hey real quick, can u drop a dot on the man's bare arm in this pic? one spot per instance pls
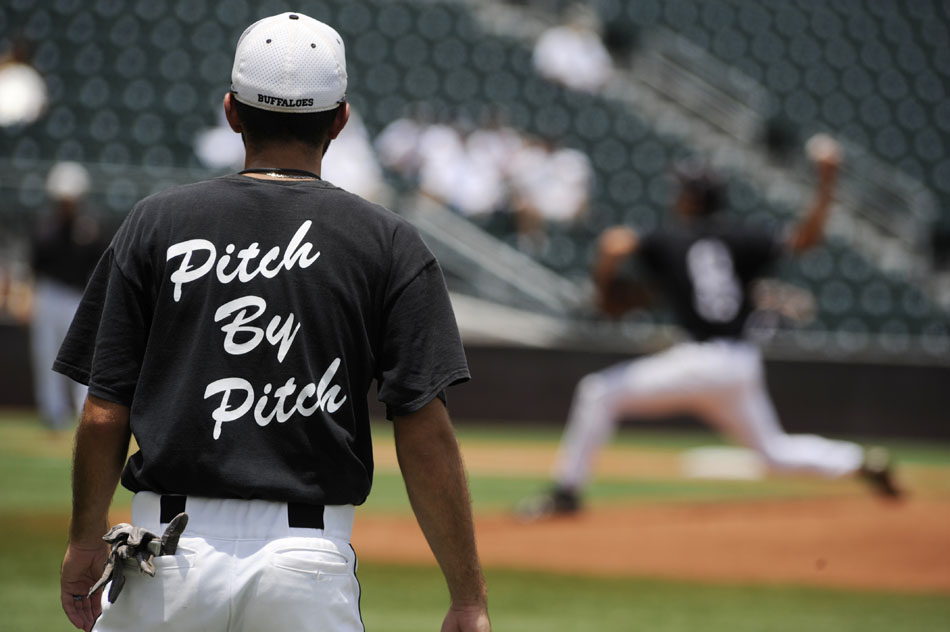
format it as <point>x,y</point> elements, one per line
<point>431,465</point>
<point>615,295</point>
<point>102,444</point>
<point>826,154</point>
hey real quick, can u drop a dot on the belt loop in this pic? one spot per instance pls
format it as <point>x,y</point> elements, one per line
<point>304,516</point>
<point>171,506</point>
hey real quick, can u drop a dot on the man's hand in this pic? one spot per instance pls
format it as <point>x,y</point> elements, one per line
<point>102,443</point>
<point>82,566</point>
<point>467,619</point>
<point>789,301</point>
<point>826,153</point>
<point>617,293</point>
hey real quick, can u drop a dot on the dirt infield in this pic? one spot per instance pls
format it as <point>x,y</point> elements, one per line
<point>860,543</point>
<point>846,540</point>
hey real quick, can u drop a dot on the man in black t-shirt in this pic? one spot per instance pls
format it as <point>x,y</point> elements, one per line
<point>704,269</point>
<point>233,328</point>
<point>64,249</point>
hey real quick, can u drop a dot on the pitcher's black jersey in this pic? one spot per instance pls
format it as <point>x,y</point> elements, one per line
<point>704,271</point>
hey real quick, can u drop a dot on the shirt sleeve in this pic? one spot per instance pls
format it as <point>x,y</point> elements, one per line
<point>421,351</point>
<point>647,257</point>
<point>759,247</point>
<point>106,341</point>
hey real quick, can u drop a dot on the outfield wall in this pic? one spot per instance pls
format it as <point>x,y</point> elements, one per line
<point>886,400</point>
<point>528,385</point>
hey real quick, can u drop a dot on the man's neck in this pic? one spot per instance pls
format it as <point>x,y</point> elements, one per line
<point>284,158</point>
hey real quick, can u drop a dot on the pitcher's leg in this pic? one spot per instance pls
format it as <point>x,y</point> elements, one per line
<point>661,384</point>
<point>590,424</point>
<point>681,379</point>
<point>757,427</point>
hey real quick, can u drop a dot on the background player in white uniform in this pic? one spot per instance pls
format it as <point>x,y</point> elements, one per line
<point>64,251</point>
<point>704,268</point>
<point>234,327</point>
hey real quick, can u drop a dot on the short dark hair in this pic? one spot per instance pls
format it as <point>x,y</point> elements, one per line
<point>264,127</point>
<point>708,193</point>
<point>703,185</point>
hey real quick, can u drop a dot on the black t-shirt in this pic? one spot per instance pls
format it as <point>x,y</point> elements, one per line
<point>705,271</point>
<point>66,249</point>
<point>243,321</point>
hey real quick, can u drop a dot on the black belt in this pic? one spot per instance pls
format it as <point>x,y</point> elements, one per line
<point>299,515</point>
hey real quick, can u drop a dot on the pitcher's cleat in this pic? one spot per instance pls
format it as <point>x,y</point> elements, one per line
<point>877,471</point>
<point>557,502</point>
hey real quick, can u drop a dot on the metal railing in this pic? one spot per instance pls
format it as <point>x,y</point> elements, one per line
<point>487,265</point>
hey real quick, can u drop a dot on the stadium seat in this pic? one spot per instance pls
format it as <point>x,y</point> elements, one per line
<point>134,86</point>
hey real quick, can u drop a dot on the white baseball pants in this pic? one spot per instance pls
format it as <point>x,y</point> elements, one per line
<point>58,398</point>
<point>719,381</point>
<point>240,567</point>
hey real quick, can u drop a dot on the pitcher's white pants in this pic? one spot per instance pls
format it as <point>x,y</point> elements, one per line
<point>241,568</point>
<point>719,381</point>
<point>58,398</point>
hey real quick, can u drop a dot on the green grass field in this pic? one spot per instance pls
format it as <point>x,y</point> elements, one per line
<point>34,504</point>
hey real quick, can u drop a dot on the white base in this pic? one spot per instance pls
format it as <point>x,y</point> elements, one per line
<point>722,462</point>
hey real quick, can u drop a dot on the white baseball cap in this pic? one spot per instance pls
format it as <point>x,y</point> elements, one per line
<point>289,63</point>
<point>67,181</point>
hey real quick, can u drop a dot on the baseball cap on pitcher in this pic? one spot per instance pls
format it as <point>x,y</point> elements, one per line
<point>289,63</point>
